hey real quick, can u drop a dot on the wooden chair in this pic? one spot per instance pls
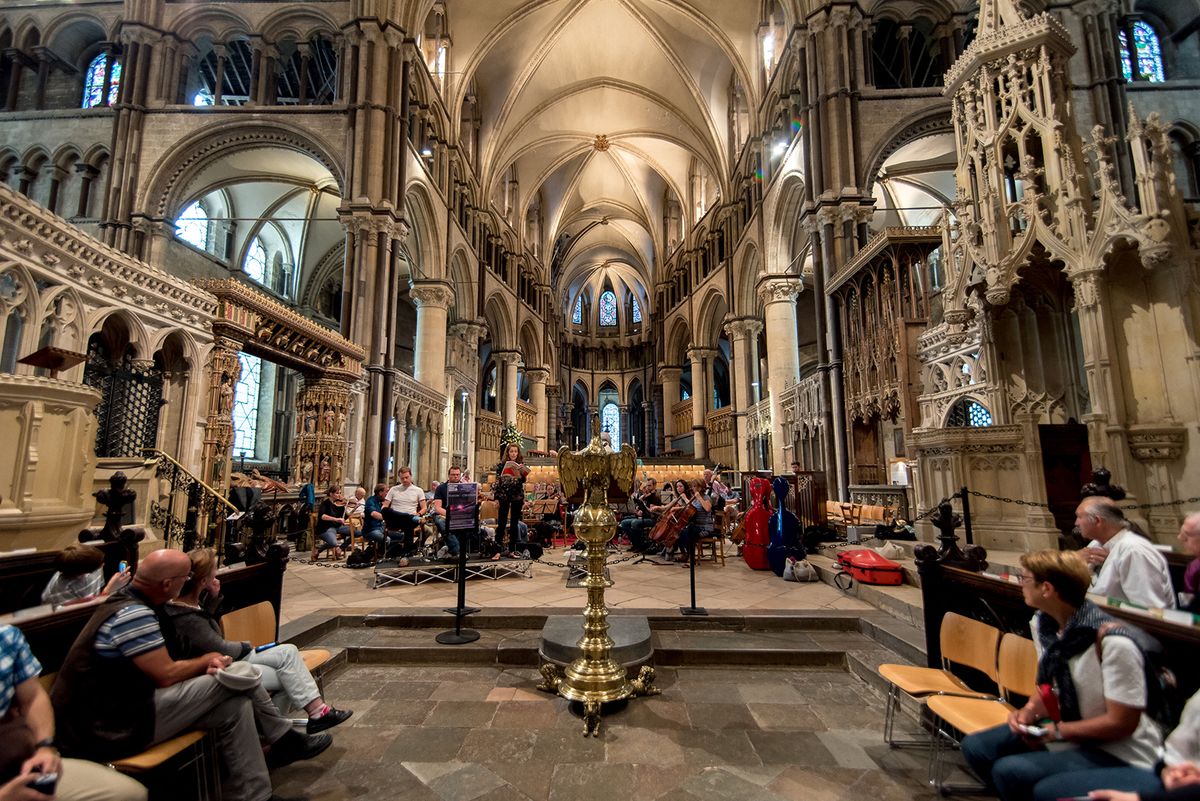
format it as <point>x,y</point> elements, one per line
<point>256,625</point>
<point>711,548</point>
<point>1016,677</point>
<point>965,642</point>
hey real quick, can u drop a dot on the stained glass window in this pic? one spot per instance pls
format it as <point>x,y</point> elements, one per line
<point>256,261</point>
<point>610,421</point>
<point>636,315</point>
<point>577,315</point>
<point>193,226</point>
<point>1149,54</point>
<point>93,82</point>
<point>970,413</point>
<point>245,405</point>
<point>608,308</point>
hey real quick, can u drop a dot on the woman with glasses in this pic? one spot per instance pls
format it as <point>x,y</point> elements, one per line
<point>1090,715</point>
<point>197,632</point>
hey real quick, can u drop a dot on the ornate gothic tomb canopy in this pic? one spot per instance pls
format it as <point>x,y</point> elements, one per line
<point>268,329</point>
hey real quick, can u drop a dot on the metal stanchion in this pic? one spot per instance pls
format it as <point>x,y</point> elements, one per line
<point>692,610</point>
<point>461,636</point>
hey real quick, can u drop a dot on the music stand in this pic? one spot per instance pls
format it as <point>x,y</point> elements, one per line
<point>53,359</point>
<point>462,515</point>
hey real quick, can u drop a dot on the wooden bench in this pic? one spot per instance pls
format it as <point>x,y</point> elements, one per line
<point>50,635</point>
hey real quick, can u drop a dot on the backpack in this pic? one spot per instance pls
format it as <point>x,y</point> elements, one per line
<point>1163,702</point>
<point>358,559</point>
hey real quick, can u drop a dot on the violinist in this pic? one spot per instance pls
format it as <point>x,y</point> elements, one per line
<point>696,495</point>
<point>649,504</point>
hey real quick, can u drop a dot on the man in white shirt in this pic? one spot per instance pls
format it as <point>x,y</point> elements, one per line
<point>401,507</point>
<point>1129,567</point>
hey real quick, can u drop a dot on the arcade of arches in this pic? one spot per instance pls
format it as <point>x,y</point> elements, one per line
<point>879,239</point>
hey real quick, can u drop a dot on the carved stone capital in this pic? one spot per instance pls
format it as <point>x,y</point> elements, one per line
<point>670,374</point>
<point>469,332</point>
<point>435,294</point>
<point>537,375</point>
<point>779,289</point>
<point>697,353</point>
<point>1157,442</point>
<point>743,327</point>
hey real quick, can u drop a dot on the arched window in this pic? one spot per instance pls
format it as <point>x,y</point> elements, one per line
<point>610,421</point>
<point>93,82</point>
<point>1148,54</point>
<point>608,308</point>
<point>256,262</point>
<point>245,405</point>
<point>577,315</point>
<point>636,314</point>
<point>193,226</point>
<point>969,413</point>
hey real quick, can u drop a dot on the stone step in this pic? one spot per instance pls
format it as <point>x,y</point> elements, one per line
<point>902,602</point>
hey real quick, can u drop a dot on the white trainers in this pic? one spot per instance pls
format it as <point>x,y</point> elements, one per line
<point>442,552</point>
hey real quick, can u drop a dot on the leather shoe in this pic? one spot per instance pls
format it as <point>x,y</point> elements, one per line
<point>327,721</point>
<point>294,746</point>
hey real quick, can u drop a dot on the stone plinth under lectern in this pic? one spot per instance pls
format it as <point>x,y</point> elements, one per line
<point>630,635</point>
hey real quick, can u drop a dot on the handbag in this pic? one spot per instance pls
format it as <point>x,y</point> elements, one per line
<point>799,570</point>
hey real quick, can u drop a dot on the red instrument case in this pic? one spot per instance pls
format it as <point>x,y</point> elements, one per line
<point>868,567</point>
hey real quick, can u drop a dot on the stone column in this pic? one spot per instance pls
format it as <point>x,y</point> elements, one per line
<point>778,296</point>
<point>224,370</point>
<point>669,376</point>
<point>623,416</point>
<point>509,360</point>
<point>648,428</point>
<point>553,394</point>
<point>322,412</point>
<point>433,300</point>
<point>701,397</point>
<point>537,396</point>
<point>743,335</point>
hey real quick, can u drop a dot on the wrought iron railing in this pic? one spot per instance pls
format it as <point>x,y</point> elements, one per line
<point>194,513</point>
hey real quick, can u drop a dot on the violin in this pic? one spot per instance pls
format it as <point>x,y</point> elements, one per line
<point>672,522</point>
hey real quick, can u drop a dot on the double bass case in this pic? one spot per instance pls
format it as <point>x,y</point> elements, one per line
<point>867,567</point>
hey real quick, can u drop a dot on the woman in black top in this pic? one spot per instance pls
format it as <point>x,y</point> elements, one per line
<point>331,523</point>
<point>510,494</point>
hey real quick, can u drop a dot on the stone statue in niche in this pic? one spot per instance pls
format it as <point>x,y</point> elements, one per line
<point>306,469</point>
<point>341,424</point>
<point>329,421</point>
<point>323,476</point>
<point>310,422</point>
<point>225,404</point>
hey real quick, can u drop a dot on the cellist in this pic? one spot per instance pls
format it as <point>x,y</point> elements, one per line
<point>701,524</point>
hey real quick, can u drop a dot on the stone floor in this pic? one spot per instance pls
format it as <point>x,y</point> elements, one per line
<point>330,586</point>
<point>485,734</point>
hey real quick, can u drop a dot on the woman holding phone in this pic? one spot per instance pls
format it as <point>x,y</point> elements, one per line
<point>1092,669</point>
<point>196,632</point>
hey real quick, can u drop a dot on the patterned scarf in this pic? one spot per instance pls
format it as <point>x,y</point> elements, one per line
<point>1080,633</point>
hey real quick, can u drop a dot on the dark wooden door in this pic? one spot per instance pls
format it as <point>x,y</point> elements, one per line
<point>1067,464</point>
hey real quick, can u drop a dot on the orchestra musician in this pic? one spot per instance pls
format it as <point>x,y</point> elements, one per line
<point>696,495</point>
<point>649,504</point>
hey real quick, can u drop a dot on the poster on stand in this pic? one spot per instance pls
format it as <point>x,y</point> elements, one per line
<point>462,500</point>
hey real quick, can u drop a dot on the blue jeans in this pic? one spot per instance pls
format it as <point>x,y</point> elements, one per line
<point>451,539</point>
<point>329,536</point>
<point>1018,772</point>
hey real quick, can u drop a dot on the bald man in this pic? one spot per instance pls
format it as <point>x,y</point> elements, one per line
<point>1189,538</point>
<point>1130,568</point>
<point>119,691</point>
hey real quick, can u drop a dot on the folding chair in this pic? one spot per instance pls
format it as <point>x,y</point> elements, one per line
<point>1016,676</point>
<point>965,642</point>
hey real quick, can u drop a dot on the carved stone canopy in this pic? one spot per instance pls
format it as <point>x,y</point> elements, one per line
<point>268,329</point>
<point>1157,443</point>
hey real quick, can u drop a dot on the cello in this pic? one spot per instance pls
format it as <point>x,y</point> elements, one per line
<point>673,520</point>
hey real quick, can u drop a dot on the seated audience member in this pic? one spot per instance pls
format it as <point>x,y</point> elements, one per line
<point>331,523</point>
<point>31,752</point>
<point>637,526</point>
<point>401,509</point>
<point>1175,778</point>
<point>1189,538</point>
<point>441,503</point>
<point>372,530</point>
<point>1129,567</point>
<point>119,691</point>
<point>1100,701</point>
<point>197,632</point>
<point>80,577</point>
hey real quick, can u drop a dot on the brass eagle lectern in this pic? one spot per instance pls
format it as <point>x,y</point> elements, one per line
<point>595,678</point>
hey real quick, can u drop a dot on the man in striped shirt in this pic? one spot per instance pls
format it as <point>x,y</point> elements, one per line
<point>119,691</point>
